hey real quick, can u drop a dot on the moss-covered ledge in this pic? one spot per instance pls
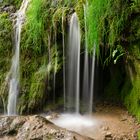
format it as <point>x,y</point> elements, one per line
<point>6,46</point>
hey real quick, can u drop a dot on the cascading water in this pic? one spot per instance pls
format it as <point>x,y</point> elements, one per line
<point>14,71</point>
<point>92,81</point>
<point>64,68</point>
<point>55,68</point>
<point>88,76</point>
<point>85,92</point>
<point>73,65</point>
<point>49,57</point>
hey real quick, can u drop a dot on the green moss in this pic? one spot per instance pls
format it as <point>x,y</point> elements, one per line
<point>33,27</point>
<point>39,58</point>
<point>37,88</point>
<point>105,22</point>
<point>33,58</point>
<point>131,94</point>
<point>79,8</point>
<point>139,135</point>
<point>134,37</point>
<point>5,33</point>
<point>5,53</point>
<point>129,91</point>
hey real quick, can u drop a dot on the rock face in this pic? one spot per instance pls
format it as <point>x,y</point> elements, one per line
<point>8,9</point>
<point>33,128</point>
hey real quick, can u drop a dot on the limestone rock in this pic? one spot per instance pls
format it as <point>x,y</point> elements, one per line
<point>34,127</point>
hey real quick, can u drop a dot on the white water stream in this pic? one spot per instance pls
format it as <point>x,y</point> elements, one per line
<point>73,66</point>
<point>14,71</point>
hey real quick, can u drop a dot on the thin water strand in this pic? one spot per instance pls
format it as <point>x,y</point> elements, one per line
<point>14,71</point>
<point>49,58</point>
<point>55,68</point>
<point>86,93</point>
<point>92,80</point>
<point>73,65</point>
<point>64,69</point>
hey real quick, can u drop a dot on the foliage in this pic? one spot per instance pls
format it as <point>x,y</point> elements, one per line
<point>5,53</point>
<point>130,91</point>
<point>40,52</point>
<point>5,33</point>
<point>117,54</point>
<point>105,22</point>
<point>34,26</point>
<point>108,28</point>
<point>139,135</point>
<point>37,88</point>
<point>125,86</point>
<point>95,10</point>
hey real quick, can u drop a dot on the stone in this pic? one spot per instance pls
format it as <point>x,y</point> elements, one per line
<point>108,136</point>
<point>105,128</point>
<point>34,127</point>
<point>52,116</point>
<point>9,9</point>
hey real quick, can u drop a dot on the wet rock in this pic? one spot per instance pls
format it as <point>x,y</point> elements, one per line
<point>8,9</point>
<point>108,136</point>
<point>105,128</point>
<point>5,125</point>
<point>52,116</point>
<point>34,127</point>
<point>123,118</point>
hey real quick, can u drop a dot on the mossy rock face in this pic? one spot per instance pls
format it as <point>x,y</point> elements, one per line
<point>139,135</point>
<point>41,50</point>
<point>6,45</point>
<point>134,37</point>
<point>15,3</point>
<point>6,32</point>
<point>39,56</point>
<point>39,59</point>
<point>131,89</point>
<point>124,85</point>
<point>41,47</point>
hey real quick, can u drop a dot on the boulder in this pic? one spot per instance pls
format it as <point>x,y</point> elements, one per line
<point>32,128</point>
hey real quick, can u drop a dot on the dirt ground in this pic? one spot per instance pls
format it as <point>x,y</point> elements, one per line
<point>115,123</point>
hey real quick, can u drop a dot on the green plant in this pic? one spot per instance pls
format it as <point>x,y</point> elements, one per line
<point>139,135</point>
<point>105,22</point>
<point>6,45</point>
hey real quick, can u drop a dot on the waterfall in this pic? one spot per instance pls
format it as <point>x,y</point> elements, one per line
<point>92,80</point>
<point>64,68</point>
<point>88,75</point>
<point>55,67</point>
<point>14,71</point>
<point>49,57</point>
<point>85,92</point>
<point>73,65</point>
